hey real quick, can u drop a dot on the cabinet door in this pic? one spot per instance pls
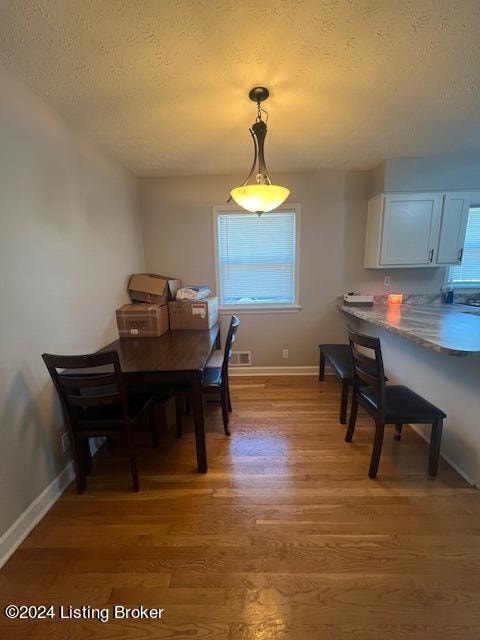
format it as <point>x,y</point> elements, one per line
<point>453,227</point>
<point>410,229</point>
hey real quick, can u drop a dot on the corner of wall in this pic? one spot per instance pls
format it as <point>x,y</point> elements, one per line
<point>377,179</point>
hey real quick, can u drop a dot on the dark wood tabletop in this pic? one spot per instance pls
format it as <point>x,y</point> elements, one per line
<point>175,351</point>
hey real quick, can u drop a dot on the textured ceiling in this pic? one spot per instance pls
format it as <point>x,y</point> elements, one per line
<point>162,85</point>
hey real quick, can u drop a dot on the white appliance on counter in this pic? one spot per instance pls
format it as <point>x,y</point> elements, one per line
<point>357,299</point>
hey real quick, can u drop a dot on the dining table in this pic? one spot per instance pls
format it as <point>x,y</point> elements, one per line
<point>175,358</point>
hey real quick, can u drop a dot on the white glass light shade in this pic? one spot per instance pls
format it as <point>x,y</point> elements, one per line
<point>260,198</point>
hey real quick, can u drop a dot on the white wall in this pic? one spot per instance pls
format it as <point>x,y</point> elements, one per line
<point>432,173</point>
<point>70,235</point>
<point>178,238</point>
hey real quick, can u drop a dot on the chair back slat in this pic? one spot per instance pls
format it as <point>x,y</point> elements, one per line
<point>227,354</point>
<point>367,370</point>
<point>94,401</point>
<point>87,361</point>
<point>87,381</point>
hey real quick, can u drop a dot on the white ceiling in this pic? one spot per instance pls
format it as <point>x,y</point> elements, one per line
<point>162,84</point>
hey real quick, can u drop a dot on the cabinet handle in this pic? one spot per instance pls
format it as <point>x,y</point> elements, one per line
<point>460,255</point>
<point>430,255</point>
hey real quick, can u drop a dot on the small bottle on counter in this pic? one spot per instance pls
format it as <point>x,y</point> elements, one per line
<point>447,296</point>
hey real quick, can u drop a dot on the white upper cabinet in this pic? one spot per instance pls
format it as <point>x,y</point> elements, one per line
<point>402,230</point>
<point>453,227</point>
<point>416,229</point>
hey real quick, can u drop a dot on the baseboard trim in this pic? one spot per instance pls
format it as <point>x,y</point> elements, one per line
<point>273,371</point>
<point>16,534</point>
<point>447,458</point>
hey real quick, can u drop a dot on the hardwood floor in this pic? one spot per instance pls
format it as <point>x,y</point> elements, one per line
<point>285,537</point>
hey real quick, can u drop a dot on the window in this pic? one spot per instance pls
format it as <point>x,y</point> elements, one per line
<point>467,274</point>
<point>257,258</point>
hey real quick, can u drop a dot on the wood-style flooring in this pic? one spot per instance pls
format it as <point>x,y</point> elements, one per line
<point>285,537</point>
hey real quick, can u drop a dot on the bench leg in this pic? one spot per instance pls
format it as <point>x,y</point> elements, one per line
<point>344,402</point>
<point>435,442</point>
<point>398,432</point>
<point>321,368</point>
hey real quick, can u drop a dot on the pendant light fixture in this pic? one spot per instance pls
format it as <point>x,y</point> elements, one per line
<point>260,196</point>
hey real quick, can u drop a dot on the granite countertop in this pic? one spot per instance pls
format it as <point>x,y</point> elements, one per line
<point>450,328</point>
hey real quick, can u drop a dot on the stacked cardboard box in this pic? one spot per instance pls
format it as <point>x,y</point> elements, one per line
<point>148,287</point>
<point>142,320</point>
<point>197,315</point>
<point>154,309</point>
<point>147,317</point>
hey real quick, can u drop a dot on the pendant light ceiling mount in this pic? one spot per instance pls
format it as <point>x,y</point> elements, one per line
<point>262,196</point>
<point>258,94</point>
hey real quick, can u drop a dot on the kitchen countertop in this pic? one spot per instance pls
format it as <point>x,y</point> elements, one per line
<point>453,329</point>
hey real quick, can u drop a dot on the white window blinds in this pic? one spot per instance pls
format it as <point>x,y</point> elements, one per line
<point>468,272</point>
<point>256,258</point>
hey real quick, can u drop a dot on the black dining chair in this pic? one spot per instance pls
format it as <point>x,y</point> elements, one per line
<point>215,380</point>
<point>95,403</point>
<point>387,404</point>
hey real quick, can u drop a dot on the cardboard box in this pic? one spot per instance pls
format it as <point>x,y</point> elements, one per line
<point>196,315</point>
<point>148,287</point>
<point>142,320</point>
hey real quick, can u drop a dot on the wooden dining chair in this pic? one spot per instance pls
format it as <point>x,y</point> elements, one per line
<point>215,381</point>
<point>95,403</point>
<point>387,404</point>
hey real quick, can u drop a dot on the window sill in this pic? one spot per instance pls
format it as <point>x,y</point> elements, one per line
<point>260,308</point>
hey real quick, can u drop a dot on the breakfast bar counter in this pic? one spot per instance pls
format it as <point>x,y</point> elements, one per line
<point>453,329</point>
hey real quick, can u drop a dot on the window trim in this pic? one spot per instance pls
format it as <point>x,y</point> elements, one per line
<point>258,308</point>
<point>466,287</point>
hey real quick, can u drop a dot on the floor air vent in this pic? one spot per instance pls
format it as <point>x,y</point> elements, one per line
<point>241,359</point>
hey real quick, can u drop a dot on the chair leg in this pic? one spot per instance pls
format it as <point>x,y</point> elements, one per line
<point>435,442</point>
<point>353,418</point>
<point>86,455</point>
<point>80,475</point>
<point>377,449</point>
<point>133,460</point>
<point>398,432</point>
<point>321,368</point>
<point>153,425</point>
<point>179,407</point>
<point>229,398</point>
<point>224,403</point>
<point>162,417</point>
<point>344,402</point>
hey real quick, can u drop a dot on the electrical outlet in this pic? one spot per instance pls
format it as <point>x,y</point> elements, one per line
<point>386,281</point>
<point>284,354</point>
<point>65,442</point>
